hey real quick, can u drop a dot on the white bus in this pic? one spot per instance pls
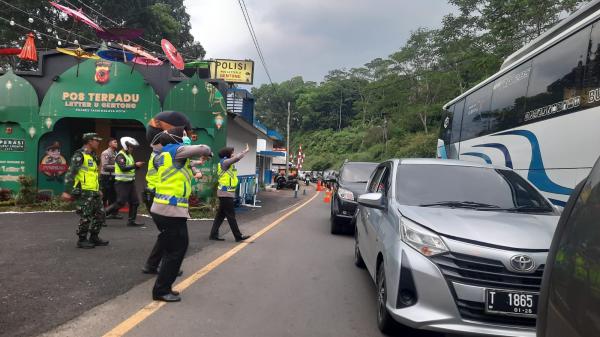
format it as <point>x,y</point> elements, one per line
<point>540,114</point>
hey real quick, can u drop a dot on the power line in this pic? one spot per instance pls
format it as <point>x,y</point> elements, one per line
<point>254,39</point>
<point>120,24</point>
<point>31,29</point>
<point>109,19</point>
<point>93,10</point>
<point>47,22</point>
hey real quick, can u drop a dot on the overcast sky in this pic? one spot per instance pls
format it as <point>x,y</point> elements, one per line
<point>310,37</point>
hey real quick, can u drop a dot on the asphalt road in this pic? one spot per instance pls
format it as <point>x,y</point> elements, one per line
<point>47,281</point>
<point>295,280</point>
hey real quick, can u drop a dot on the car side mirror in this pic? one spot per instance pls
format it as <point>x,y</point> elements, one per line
<point>372,200</point>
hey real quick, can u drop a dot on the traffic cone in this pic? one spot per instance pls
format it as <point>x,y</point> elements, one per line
<point>327,198</point>
<point>319,187</point>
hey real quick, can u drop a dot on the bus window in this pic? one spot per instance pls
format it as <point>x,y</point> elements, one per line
<point>446,129</point>
<point>556,78</point>
<point>508,98</point>
<point>457,117</point>
<point>591,81</point>
<point>476,115</point>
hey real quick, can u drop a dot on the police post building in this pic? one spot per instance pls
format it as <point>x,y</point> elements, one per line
<point>44,113</point>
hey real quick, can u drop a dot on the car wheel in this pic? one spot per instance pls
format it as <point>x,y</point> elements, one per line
<point>358,260</point>
<point>385,322</point>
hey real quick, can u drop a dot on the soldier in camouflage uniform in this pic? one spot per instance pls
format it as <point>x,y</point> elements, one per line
<point>82,182</point>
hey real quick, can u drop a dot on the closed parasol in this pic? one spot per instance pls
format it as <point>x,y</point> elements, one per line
<point>29,53</point>
<point>79,54</point>
<point>172,54</point>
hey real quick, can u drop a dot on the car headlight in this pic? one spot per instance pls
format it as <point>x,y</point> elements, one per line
<point>345,194</point>
<point>424,241</point>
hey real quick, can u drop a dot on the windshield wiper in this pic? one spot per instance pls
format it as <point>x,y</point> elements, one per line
<point>528,208</point>
<point>360,182</point>
<point>461,204</point>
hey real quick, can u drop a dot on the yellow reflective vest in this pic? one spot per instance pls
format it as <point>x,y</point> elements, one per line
<point>152,173</point>
<point>87,175</point>
<point>228,180</point>
<point>174,185</point>
<point>121,175</point>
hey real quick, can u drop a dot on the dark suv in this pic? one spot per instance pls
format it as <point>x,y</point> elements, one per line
<point>570,299</point>
<point>352,181</point>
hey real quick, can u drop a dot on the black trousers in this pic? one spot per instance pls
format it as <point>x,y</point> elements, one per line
<point>174,240</point>
<point>107,184</point>
<point>157,252</point>
<point>226,210</point>
<point>126,193</point>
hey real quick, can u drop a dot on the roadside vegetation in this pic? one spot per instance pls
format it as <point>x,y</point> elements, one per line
<point>391,106</point>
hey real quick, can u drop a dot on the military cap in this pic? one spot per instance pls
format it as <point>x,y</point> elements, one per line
<point>91,136</point>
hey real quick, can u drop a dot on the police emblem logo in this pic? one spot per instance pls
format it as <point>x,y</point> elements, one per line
<point>90,162</point>
<point>102,75</point>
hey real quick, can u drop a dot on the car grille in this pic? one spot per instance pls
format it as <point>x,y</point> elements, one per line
<point>482,272</point>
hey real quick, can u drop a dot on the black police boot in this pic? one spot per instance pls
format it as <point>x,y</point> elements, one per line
<point>84,243</point>
<point>132,215</point>
<point>97,241</point>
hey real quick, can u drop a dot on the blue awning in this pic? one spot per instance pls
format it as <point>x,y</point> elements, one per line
<point>271,153</point>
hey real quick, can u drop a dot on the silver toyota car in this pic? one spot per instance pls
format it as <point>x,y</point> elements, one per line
<point>454,246</point>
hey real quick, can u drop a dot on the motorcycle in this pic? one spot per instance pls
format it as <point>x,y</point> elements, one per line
<point>282,182</point>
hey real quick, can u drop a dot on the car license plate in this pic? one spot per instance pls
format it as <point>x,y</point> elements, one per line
<point>513,303</point>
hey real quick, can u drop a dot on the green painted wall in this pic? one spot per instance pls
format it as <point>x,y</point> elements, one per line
<point>203,104</point>
<point>98,90</point>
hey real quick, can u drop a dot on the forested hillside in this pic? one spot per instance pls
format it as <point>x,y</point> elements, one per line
<point>391,106</point>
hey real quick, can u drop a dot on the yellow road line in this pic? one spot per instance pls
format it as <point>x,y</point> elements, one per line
<point>153,306</point>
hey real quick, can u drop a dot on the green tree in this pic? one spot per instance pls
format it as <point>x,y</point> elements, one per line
<point>159,19</point>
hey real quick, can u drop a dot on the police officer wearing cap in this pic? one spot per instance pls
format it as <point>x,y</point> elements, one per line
<point>125,168</point>
<point>81,181</point>
<point>170,207</point>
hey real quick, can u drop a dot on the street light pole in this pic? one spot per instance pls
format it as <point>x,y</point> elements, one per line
<point>287,152</point>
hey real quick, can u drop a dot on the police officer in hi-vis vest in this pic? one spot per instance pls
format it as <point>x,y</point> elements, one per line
<point>82,182</point>
<point>228,181</point>
<point>170,206</point>
<point>125,168</point>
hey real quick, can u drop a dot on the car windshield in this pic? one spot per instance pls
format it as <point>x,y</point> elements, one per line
<point>467,187</point>
<point>357,173</point>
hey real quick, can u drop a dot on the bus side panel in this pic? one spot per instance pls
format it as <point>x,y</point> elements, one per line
<point>554,154</point>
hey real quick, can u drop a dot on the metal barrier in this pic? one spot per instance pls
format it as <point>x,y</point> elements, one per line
<point>247,190</point>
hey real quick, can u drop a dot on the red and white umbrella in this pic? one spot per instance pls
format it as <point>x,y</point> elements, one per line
<point>172,54</point>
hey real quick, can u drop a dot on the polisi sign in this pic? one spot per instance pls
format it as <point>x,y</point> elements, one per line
<point>233,71</point>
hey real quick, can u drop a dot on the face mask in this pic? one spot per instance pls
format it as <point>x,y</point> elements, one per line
<point>186,140</point>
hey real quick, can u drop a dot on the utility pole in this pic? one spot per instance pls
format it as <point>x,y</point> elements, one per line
<point>385,136</point>
<point>340,123</point>
<point>287,152</point>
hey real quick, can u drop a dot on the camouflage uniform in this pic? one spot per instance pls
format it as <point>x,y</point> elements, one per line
<point>89,208</point>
